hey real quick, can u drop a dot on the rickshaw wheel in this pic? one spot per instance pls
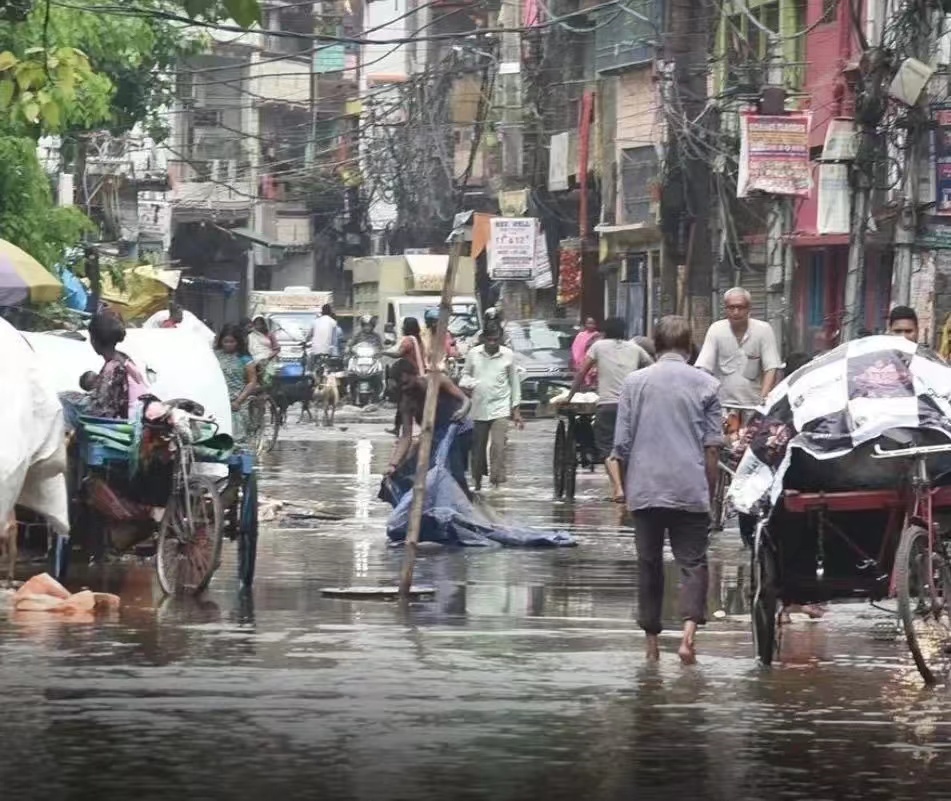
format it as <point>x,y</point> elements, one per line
<point>558,470</point>
<point>923,600</point>
<point>570,466</point>
<point>765,601</point>
<point>719,500</point>
<point>189,540</point>
<point>247,540</point>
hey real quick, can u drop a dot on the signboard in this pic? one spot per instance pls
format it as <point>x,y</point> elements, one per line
<point>834,201</point>
<point>558,163</point>
<point>511,250</point>
<point>942,158</point>
<point>774,155</point>
<point>541,275</point>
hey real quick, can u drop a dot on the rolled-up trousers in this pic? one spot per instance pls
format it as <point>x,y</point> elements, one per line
<point>688,533</point>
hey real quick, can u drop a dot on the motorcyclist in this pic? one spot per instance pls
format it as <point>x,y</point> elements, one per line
<point>431,318</point>
<point>367,334</point>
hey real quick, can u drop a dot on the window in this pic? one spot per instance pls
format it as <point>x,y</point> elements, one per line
<point>638,173</point>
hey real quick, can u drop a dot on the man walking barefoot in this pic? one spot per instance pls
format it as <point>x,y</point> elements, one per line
<point>668,435</point>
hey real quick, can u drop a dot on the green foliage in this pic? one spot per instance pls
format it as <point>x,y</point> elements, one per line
<point>72,68</point>
<point>28,217</point>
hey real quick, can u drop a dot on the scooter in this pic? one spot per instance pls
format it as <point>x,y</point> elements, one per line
<point>365,374</point>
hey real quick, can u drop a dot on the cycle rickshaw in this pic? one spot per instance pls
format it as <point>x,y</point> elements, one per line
<point>855,493</point>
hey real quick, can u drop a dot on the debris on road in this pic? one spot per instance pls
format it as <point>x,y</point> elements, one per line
<point>43,593</point>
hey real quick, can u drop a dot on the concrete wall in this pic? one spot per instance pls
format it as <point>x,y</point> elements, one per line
<point>639,118</point>
<point>286,81</point>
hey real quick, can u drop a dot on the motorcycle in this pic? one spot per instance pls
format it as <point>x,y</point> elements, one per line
<point>365,374</point>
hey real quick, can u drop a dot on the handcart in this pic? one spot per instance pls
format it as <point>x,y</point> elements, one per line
<point>574,446</point>
<point>114,497</point>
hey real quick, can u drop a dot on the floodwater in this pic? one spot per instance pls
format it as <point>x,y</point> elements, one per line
<point>523,680</point>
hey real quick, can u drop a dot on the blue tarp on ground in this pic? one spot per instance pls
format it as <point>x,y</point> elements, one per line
<point>450,518</point>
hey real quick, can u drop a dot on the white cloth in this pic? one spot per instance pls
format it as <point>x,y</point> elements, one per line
<point>259,346</point>
<point>323,335</point>
<point>189,323</point>
<point>33,456</point>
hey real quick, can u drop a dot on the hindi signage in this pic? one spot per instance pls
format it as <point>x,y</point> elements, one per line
<point>774,155</point>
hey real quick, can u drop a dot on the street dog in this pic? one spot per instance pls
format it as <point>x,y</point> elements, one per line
<point>327,395</point>
<point>8,545</point>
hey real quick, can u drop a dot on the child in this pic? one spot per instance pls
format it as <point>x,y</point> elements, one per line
<point>88,381</point>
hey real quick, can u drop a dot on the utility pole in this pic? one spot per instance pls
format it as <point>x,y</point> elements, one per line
<point>855,277</point>
<point>906,226</point>
<point>510,128</point>
<point>780,214</point>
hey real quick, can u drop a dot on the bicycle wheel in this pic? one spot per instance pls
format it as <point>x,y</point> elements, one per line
<point>923,594</point>
<point>765,600</point>
<point>570,460</point>
<point>558,459</point>
<point>264,425</point>
<point>189,540</point>
<point>718,512</point>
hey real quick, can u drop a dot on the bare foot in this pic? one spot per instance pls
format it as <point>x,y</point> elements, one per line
<point>814,611</point>
<point>652,652</point>
<point>687,653</point>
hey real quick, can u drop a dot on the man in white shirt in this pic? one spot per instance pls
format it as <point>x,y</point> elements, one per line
<point>496,394</point>
<point>741,353</point>
<point>323,333</point>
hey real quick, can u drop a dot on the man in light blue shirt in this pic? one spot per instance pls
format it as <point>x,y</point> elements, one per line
<point>492,375</point>
<point>668,435</point>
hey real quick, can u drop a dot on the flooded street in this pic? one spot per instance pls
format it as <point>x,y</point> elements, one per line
<point>523,679</point>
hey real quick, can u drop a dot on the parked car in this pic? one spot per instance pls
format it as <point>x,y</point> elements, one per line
<point>543,355</point>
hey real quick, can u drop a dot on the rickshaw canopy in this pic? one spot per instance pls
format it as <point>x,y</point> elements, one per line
<point>836,403</point>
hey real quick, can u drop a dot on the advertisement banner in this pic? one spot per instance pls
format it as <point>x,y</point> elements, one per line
<point>941,116</point>
<point>834,201</point>
<point>511,252</point>
<point>774,155</point>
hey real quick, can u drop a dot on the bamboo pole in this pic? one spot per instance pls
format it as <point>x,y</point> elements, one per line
<point>424,449</point>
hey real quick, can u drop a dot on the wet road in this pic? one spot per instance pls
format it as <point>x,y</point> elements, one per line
<point>523,680</point>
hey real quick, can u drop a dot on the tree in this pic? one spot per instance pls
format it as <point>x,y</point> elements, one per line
<point>77,67</point>
<point>28,217</point>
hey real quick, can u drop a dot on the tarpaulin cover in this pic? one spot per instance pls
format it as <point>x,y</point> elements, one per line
<point>450,518</point>
<point>33,456</point>
<point>834,407</point>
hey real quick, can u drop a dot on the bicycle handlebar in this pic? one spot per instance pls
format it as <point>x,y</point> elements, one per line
<point>922,450</point>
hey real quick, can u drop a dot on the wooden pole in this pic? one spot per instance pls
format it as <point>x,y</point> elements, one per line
<point>429,409</point>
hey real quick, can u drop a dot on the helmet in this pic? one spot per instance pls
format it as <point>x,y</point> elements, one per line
<point>431,316</point>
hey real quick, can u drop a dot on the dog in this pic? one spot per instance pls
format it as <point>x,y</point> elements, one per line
<point>8,545</point>
<point>327,394</point>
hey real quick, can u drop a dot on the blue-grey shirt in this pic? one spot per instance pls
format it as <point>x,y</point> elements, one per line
<point>667,414</point>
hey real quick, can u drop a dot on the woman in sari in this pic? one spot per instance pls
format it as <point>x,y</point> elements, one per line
<point>579,348</point>
<point>120,383</point>
<point>240,375</point>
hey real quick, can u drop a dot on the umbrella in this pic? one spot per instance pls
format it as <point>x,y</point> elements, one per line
<point>23,278</point>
